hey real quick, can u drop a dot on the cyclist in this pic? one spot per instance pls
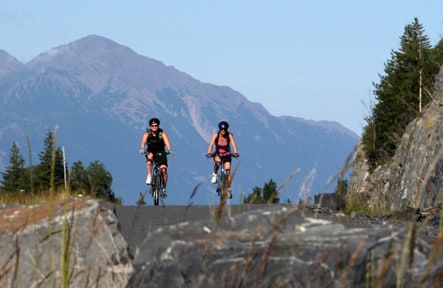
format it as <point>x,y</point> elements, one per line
<point>156,139</point>
<point>222,140</point>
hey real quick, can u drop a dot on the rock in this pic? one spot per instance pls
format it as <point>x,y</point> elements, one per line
<point>284,246</point>
<point>414,176</point>
<point>72,244</point>
<point>332,201</point>
<point>265,246</point>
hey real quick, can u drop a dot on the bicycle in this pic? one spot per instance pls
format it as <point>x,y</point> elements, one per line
<point>222,179</point>
<point>157,180</point>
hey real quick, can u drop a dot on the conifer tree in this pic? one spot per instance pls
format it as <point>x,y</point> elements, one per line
<point>401,94</point>
<point>15,178</point>
<point>270,193</point>
<point>255,197</point>
<point>267,194</point>
<point>50,171</point>
<point>100,180</point>
<point>79,178</point>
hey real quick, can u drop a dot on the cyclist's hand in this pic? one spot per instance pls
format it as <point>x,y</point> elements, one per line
<point>209,155</point>
<point>141,151</point>
<point>170,152</point>
<point>236,155</point>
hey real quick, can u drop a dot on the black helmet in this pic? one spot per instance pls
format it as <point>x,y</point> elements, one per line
<point>154,120</point>
<point>223,125</point>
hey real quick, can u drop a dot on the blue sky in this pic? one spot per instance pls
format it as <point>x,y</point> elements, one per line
<point>311,59</point>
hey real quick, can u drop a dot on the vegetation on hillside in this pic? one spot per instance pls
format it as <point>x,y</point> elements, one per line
<point>403,91</point>
<point>267,194</point>
<point>51,175</point>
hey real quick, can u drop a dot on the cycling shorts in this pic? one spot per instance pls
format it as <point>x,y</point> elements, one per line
<point>226,158</point>
<point>160,157</point>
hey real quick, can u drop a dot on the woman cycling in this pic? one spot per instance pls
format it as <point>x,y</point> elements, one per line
<point>156,139</point>
<point>222,140</point>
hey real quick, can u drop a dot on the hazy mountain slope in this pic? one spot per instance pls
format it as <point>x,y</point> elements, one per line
<point>101,94</point>
<point>8,64</point>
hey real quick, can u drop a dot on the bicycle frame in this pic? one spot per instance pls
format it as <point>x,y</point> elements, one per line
<point>222,181</point>
<point>157,179</point>
<point>156,184</point>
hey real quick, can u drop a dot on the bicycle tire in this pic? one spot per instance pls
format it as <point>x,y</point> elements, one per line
<point>156,188</point>
<point>223,187</point>
<point>159,185</point>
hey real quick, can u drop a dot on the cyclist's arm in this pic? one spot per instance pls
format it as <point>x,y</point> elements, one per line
<point>234,145</point>
<point>144,141</point>
<point>166,140</point>
<point>212,143</point>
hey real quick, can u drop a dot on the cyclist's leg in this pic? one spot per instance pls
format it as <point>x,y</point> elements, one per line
<point>217,162</point>
<point>163,162</point>
<point>149,159</point>
<point>164,173</point>
<point>227,166</point>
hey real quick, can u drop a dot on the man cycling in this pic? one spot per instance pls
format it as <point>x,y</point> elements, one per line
<point>222,141</point>
<point>156,139</point>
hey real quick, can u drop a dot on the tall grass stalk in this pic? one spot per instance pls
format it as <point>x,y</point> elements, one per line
<point>53,161</point>
<point>67,243</point>
<point>31,169</point>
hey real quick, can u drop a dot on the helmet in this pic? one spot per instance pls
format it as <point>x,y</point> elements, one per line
<point>223,125</point>
<point>154,120</point>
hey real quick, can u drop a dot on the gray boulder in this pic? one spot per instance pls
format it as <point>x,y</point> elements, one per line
<point>284,246</point>
<point>72,244</point>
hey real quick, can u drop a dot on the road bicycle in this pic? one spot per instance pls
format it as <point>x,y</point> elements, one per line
<point>157,179</point>
<point>222,179</point>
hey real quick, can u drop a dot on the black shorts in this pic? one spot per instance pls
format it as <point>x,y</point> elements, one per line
<point>226,158</point>
<point>160,157</point>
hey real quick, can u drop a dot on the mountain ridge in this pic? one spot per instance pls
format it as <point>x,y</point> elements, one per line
<point>101,94</point>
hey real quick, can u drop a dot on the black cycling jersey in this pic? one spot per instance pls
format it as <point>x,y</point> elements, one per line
<point>156,143</point>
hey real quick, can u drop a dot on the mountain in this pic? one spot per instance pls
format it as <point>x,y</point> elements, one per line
<point>99,96</point>
<point>8,64</point>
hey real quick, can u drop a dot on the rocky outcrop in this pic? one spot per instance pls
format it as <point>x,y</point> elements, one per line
<point>62,244</point>
<point>79,244</point>
<point>414,176</point>
<point>283,246</point>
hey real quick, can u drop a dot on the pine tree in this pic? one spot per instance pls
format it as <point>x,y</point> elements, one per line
<point>437,53</point>
<point>267,194</point>
<point>79,178</point>
<point>50,171</point>
<point>100,180</point>
<point>15,177</point>
<point>270,193</point>
<point>402,92</point>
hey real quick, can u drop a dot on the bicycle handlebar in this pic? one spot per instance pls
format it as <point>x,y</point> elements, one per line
<point>213,154</point>
<point>158,153</point>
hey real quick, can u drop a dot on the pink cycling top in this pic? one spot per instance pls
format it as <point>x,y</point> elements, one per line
<point>222,149</point>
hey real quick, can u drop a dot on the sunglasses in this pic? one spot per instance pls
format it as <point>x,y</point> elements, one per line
<point>154,125</point>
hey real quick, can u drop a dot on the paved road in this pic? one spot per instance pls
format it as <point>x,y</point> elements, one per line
<point>136,221</point>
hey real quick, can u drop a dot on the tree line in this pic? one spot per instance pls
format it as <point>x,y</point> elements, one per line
<point>404,89</point>
<point>52,175</point>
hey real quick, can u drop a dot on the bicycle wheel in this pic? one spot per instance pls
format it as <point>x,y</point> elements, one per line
<point>223,187</point>
<point>156,188</point>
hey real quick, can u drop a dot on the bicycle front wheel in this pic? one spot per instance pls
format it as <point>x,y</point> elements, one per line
<point>156,188</point>
<point>223,187</point>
